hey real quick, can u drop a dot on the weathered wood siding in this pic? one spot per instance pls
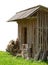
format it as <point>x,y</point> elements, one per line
<point>37,32</point>
<point>31,33</point>
<point>42,30</point>
<point>21,25</point>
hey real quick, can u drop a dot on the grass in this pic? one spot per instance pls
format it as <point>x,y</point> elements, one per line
<point>7,59</point>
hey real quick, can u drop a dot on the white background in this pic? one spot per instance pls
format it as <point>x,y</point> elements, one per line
<point>9,30</point>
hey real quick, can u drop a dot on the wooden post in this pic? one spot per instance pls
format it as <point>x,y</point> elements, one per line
<point>46,30</point>
<point>40,29</point>
<point>37,31</point>
<point>45,35</point>
<point>33,40</point>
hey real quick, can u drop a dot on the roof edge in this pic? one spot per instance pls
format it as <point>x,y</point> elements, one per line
<point>33,7</point>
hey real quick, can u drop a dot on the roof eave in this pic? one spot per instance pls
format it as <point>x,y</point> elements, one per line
<point>40,8</point>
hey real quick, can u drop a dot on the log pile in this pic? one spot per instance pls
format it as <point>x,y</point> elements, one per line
<point>13,47</point>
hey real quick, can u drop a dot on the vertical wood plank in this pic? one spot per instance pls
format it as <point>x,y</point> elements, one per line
<point>37,31</point>
<point>46,32</point>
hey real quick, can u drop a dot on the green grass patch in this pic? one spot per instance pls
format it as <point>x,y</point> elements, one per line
<point>7,59</point>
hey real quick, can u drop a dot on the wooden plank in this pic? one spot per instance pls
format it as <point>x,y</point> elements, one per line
<point>43,31</point>
<point>37,31</point>
<point>47,28</point>
<point>46,32</point>
<point>42,28</point>
<point>40,31</point>
<point>33,40</point>
<point>19,34</point>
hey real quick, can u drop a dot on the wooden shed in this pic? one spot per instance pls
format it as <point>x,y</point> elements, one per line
<point>32,28</point>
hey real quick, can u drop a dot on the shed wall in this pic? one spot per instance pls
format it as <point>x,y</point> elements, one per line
<point>31,33</point>
<point>37,32</point>
<point>42,30</point>
<point>21,25</point>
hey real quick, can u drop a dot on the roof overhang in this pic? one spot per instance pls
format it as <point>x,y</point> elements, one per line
<point>26,13</point>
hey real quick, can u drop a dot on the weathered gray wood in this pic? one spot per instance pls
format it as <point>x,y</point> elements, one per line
<point>46,32</point>
<point>40,30</point>
<point>37,31</point>
<point>45,54</point>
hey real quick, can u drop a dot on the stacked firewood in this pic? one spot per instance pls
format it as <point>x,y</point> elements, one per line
<point>13,47</point>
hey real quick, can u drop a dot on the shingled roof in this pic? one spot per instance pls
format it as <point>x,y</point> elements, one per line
<point>25,13</point>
